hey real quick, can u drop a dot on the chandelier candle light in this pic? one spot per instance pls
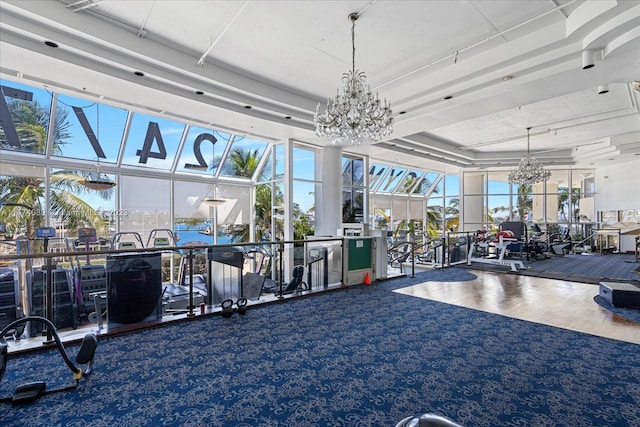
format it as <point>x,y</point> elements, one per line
<point>356,115</point>
<point>529,171</point>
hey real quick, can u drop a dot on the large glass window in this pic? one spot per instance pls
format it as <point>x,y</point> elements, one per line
<point>268,206</point>
<point>203,150</point>
<point>435,216</point>
<point>22,192</point>
<point>392,180</point>
<point>352,190</point>
<point>30,111</point>
<point>409,181</point>
<point>564,200</point>
<point>376,173</point>
<point>234,215</point>
<point>303,211</point>
<point>194,220</point>
<point>146,201</point>
<point>92,131</point>
<point>244,157</point>
<point>426,183</point>
<point>304,191</point>
<point>74,204</point>
<point>266,174</point>
<point>152,142</point>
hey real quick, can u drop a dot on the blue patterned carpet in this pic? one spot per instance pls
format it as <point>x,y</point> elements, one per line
<point>586,268</point>
<point>360,356</point>
<point>627,313</point>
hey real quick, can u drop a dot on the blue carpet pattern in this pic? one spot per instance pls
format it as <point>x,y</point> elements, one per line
<point>360,356</point>
<point>628,313</point>
<point>587,268</point>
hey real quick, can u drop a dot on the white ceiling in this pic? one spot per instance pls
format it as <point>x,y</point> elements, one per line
<point>283,57</point>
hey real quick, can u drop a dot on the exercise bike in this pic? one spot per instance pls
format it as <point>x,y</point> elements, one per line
<point>30,392</point>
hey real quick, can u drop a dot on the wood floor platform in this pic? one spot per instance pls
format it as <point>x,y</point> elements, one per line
<point>558,303</point>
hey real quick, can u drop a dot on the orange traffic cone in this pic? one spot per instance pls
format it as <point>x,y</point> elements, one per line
<point>367,278</point>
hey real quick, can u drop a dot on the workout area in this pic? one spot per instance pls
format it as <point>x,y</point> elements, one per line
<point>193,234</point>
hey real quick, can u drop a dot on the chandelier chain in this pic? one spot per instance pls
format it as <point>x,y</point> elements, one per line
<point>356,115</point>
<point>353,18</point>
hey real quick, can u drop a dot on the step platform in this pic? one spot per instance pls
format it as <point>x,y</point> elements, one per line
<point>623,295</point>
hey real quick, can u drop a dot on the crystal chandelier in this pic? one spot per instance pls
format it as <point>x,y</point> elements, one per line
<point>529,171</point>
<point>355,115</point>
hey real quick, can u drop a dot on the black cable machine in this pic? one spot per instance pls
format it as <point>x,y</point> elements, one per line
<point>10,301</point>
<point>91,279</point>
<point>51,289</point>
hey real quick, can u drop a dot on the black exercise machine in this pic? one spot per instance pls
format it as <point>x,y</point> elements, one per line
<point>295,285</point>
<point>536,248</point>
<point>561,242</point>
<point>30,392</point>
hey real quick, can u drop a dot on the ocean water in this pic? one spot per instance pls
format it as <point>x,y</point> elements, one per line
<point>186,236</point>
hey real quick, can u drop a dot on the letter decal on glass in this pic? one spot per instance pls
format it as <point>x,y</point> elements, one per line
<point>6,122</point>
<point>89,132</point>
<point>153,133</point>
<point>202,164</point>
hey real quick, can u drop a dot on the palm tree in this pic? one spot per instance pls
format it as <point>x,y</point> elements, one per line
<point>492,215</point>
<point>301,225</point>
<point>349,211</point>
<point>32,122</point>
<point>65,203</point>
<point>452,214</point>
<point>524,201</point>
<point>564,195</point>
<point>381,218</point>
<point>435,217</point>
<point>242,162</point>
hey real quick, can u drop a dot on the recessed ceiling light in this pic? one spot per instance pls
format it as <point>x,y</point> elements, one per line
<point>507,78</point>
<point>139,73</point>
<point>199,92</point>
<point>287,117</point>
<point>51,44</point>
<point>448,97</point>
<point>248,107</point>
<point>402,112</point>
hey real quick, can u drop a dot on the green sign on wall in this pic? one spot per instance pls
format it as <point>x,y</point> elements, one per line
<point>359,254</point>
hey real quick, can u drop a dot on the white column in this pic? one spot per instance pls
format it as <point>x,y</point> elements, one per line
<point>329,197</point>
<point>545,206</point>
<point>473,205</point>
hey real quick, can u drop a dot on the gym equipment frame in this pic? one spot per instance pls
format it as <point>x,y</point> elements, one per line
<point>30,392</point>
<point>479,250</point>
